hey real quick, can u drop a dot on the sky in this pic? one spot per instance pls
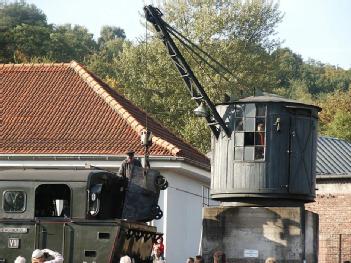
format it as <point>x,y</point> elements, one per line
<point>314,29</point>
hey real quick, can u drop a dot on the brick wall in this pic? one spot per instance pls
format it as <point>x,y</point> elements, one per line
<point>333,204</point>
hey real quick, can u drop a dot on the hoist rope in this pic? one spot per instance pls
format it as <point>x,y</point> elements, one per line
<point>193,46</point>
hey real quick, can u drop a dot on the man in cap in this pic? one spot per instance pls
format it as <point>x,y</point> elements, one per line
<point>40,256</point>
<point>128,164</point>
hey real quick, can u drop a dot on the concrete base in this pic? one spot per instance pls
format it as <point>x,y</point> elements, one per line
<point>251,234</point>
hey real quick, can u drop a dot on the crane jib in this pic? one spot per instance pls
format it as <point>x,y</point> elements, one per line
<point>153,15</point>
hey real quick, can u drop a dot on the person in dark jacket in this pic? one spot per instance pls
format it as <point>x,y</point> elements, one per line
<point>128,164</point>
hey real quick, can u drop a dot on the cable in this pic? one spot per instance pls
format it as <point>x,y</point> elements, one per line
<point>185,191</point>
<point>146,68</point>
<point>174,32</point>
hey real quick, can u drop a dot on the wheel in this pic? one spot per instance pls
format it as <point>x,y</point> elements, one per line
<point>159,215</point>
<point>156,212</point>
<point>161,182</point>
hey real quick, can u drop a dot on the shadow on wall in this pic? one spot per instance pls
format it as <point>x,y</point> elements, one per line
<point>252,234</point>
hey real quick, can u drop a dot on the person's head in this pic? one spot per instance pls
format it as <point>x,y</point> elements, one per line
<point>38,256</point>
<point>271,260</point>
<point>190,260</point>
<point>219,257</point>
<point>199,259</point>
<point>159,240</point>
<point>130,154</point>
<point>125,259</point>
<point>20,259</point>
<point>260,127</point>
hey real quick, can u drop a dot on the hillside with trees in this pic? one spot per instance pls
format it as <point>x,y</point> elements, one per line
<point>240,35</point>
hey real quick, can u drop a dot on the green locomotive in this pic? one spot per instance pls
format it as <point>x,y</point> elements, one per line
<point>87,215</point>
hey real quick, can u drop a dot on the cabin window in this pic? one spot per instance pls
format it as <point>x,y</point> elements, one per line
<point>249,132</point>
<point>14,201</point>
<point>52,200</point>
<point>94,199</point>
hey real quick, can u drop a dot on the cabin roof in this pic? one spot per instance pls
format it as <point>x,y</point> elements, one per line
<point>268,97</point>
<point>65,109</point>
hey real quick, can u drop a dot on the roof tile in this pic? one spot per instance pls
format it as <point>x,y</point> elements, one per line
<point>65,109</point>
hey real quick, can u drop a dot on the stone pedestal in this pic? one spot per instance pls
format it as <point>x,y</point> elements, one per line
<point>251,234</point>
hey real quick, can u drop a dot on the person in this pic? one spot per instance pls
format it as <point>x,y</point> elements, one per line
<point>190,260</point>
<point>260,134</point>
<point>199,259</point>
<point>156,257</point>
<point>128,164</point>
<point>40,256</point>
<point>159,244</point>
<point>271,260</point>
<point>20,259</point>
<point>219,257</point>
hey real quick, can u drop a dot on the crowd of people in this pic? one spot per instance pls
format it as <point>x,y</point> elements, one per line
<point>157,256</point>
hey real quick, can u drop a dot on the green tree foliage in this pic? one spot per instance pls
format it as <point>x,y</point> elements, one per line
<point>340,127</point>
<point>110,46</point>
<point>23,32</point>
<point>71,43</point>
<point>25,36</point>
<point>335,117</point>
<point>288,66</point>
<point>108,33</point>
<point>322,78</point>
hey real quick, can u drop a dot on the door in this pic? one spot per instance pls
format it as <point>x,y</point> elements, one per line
<point>302,152</point>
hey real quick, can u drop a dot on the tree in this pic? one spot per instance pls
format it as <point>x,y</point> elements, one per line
<point>287,66</point>
<point>30,41</point>
<point>321,78</point>
<point>340,127</point>
<point>25,36</point>
<point>18,13</point>
<point>24,32</point>
<point>100,62</point>
<point>71,43</point>
<point>109,33</point>
<point>335,116</point>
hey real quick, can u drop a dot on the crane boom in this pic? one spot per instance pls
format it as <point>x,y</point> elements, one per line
<point>153,15</point>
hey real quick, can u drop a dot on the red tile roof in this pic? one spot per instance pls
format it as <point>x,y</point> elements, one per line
<point>65,109</point>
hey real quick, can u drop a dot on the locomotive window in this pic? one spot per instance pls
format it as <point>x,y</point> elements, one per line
<point>14,201</point>
<point>52,200</point>
<point>250,132</point>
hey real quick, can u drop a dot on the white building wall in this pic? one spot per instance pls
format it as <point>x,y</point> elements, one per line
<point>333,187</point>
<point>182,204</point>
